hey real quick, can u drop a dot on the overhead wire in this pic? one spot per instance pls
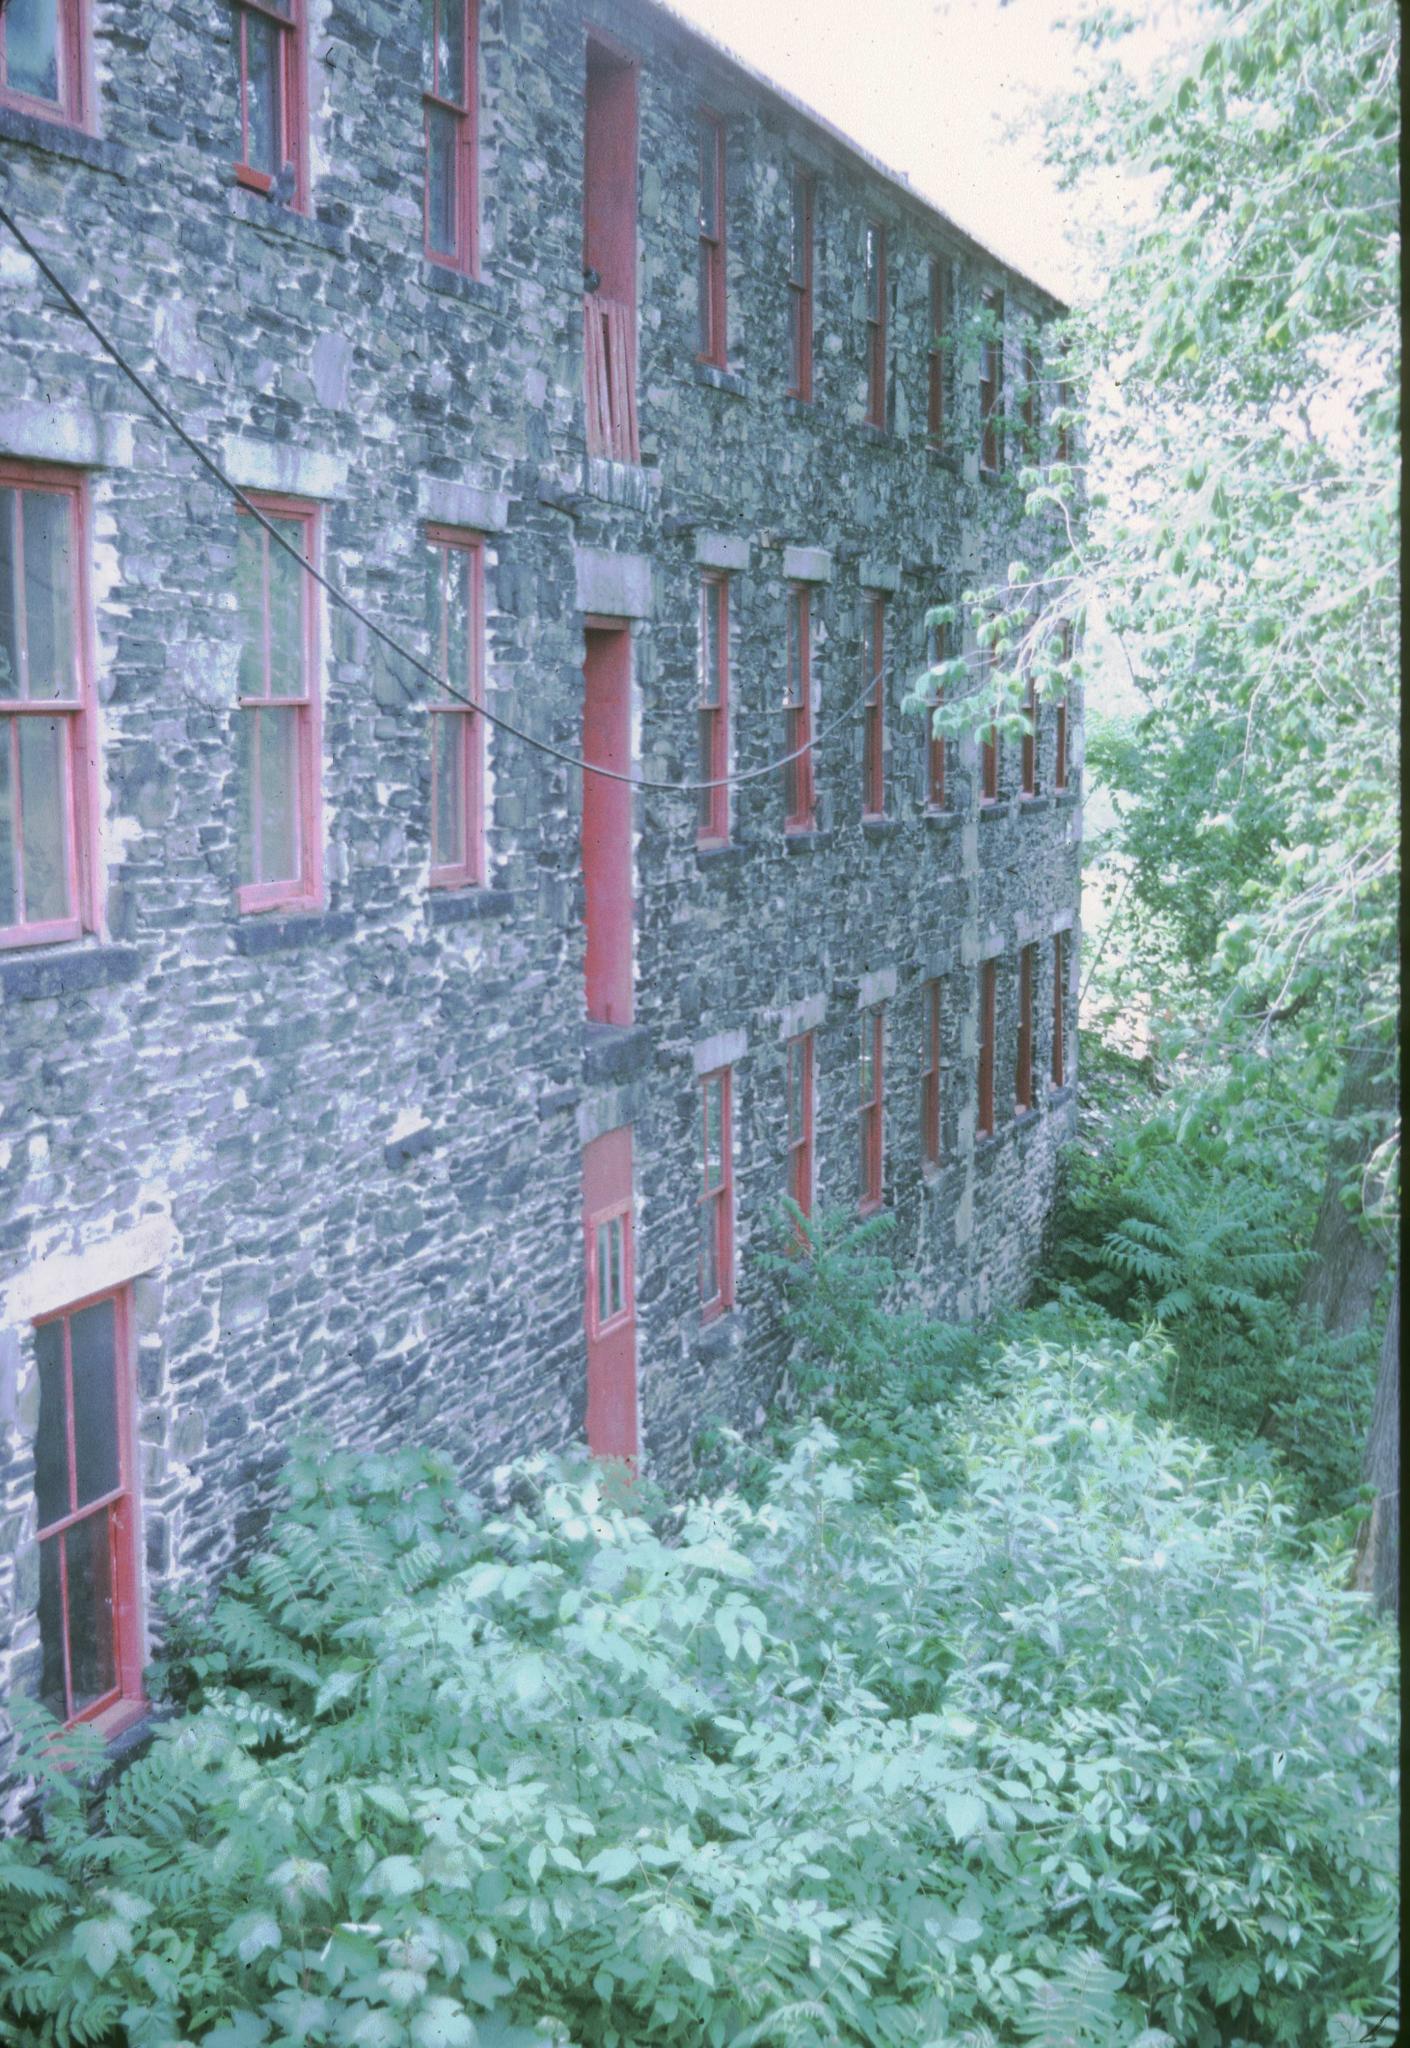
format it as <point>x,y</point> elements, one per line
<point>355,610</point>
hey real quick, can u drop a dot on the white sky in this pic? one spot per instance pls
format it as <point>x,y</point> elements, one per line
<point>930,87</point>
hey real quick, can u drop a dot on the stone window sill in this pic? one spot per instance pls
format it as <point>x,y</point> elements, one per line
<point>1001,809</point>
<point>807,842</point>
<point>1057,1097</point>
<point>724,854</point>
<point>32,976</point>
<point>941,458</point>
<point>456,284</point>
<point>943,821</point>
<point>468,906</point>
<point>1066,799</point>
<point>1029,806</point>
<point>991,477</point>
<point>285,934</point>
<point>879,437</point>
<point>1024,1119</point>
<point>718,1333</point>
<point>796,408</point>
<point>879,829</point>
<point>271,219</point>
<point>58,138</point>
<point>716,379</point>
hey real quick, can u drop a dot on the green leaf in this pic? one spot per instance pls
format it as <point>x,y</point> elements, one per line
<point>442,2023</point>
<point>964,1814</point>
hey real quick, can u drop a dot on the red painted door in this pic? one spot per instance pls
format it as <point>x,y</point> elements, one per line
<point>607,824</point>
<point>611,1296</point>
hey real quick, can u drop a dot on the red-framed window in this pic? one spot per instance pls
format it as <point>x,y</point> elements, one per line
<point>90,1634</point>
<point>611,1279</point>
<point>278,709</point>
<point>875,267</point>
<point>44,59</point>
<point>1029,750</point>
<point>451,105</point>
<point>1058,1067</point>
<point>1064,432</point>
<point>272,63</point>
<point>1032,412</point>
<point>716,1194</point>
<point>798,1089</point>
<point>871,1054</point>
<point>874,709</point>
<point>939,642</point>
<point>988,979</point>
<point>1060,759</point>
<point>456,616</point>
<point>712,339</point>
<point>989,749</point>
<point>798,795</point>
<point>939,337</point>
<point>991,385</point>
<point>1023,1066</point>
<point>46,798</point>
<point>800,286</point>
<point>930,1014</point>
<point>712,667</point>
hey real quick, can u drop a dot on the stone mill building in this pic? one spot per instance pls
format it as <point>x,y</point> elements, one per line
<point>367,1064</point>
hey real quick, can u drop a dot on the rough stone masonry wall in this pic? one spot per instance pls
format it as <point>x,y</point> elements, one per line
<point>338,1156</point>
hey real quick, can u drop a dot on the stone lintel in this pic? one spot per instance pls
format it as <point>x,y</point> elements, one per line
<point>63,1277</point>
<point>615,586</point>
<point>877,987</point>
<point>875,575</point>
<point>67,433</point>
<point>721,1049</point>
<point>796,1018</point>
<point>807,565</point>
<point>451,504</point>
<point>280,466</point>
<point>726,551</point>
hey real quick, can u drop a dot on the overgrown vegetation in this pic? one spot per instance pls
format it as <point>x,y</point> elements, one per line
<point>1031,1726</point>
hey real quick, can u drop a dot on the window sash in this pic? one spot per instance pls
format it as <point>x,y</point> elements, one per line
<point>457,628</point>
<point>987,996</point>
<point>716,1199</point>
<point>930,1074</point>
<point>798,713</point>
<point>874,712</point>
<point>105,1523</point>
<point>876,323</point>
<point>1023,1076</point>
<point>870,1080</point>
<point>1058,1067</point>
<point>449,116</point>
<point>611,1277</point>
<point>64,22</point>
<point>798,1102</point>
<point>800,284</point>
<point>44,808</point>
<point>282,120</point>
<point>279,727</point>
<point>1030,738</point>
<point>991,387</point>
<point>712,677</point>
<point>711,331</point>
<point>939,321</point>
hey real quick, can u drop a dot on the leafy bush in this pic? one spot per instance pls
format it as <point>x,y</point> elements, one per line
<point>1084,1755</point>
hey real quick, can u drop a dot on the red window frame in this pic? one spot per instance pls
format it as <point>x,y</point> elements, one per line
<point>304,889</point>
<point>1063,450</point>
<point>712,337</point>
<point>712,674</point>
<point>76,835</point>
<point>1023,1065</point>
<point>1032,411</point>
<point>871,1129</point>
<point>991,388</point>
<point>121,1701</point>
<point>935,746</point>
<point>800,286</point>
<point>988,976</point>
<point>874,710</point>
<point>716,1202</point>
<point>799,1114</point>
<point>457,730</point>
<point>930,1100</point>
<point>798,791</point>
<point>608,1309</point>
<point>939,324</point>
<point>1058,1066</point>
<point>1060,764</point>
<point>70,103</point>
<point>989,765</point>
<point>1029,751</point>
<point>460,119</point>
<point>287,23</point>
<point>874,266</point>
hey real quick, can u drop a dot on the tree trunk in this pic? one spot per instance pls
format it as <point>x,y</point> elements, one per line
<point>1347,1264</point>
<point>1377,1567</point>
